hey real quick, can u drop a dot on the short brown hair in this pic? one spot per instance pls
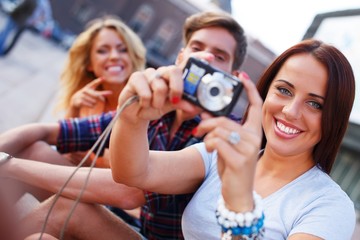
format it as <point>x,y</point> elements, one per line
<point>218,19</point>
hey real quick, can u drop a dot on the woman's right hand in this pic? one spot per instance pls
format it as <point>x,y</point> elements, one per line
<point>159,92</point>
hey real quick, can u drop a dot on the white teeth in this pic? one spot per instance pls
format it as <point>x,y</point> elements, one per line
<point>285,129</point>
<point>115,69</point>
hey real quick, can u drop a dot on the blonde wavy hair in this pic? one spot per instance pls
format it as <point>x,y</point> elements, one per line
<point>75,74</point>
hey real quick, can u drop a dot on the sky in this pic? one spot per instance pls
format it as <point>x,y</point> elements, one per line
<point>279,24</point>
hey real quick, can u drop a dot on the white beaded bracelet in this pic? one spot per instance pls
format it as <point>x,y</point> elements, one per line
<point>249,224</point>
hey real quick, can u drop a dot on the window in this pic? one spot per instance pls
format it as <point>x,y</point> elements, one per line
<point>142,19</point>
<point>159,43</point>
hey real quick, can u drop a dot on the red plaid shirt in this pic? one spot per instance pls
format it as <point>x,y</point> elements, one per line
<point>161,215</point>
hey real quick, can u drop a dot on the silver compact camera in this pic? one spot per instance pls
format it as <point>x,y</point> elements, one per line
<point>212,89</point>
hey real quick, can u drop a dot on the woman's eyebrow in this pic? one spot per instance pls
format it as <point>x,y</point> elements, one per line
<point>286,82</point>
<point>317,96</point>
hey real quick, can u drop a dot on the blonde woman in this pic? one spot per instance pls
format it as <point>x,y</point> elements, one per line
<point>99,64</point>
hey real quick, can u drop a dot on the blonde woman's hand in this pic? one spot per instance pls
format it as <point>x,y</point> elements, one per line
<point>88,95</point>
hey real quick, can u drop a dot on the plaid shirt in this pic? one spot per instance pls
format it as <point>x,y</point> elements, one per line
<point>161,215</point>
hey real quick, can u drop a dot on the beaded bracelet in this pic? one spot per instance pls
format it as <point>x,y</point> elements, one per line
<point>248,225</point>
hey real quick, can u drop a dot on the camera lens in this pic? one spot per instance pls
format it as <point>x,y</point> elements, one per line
<point>214,91</point>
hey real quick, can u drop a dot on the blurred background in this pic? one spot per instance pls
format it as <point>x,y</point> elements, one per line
<point>30,72</point>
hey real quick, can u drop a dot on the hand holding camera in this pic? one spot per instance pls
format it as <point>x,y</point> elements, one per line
<point>211,89</point>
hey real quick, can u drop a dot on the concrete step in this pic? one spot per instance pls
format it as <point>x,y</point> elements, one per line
<point>29,80</point>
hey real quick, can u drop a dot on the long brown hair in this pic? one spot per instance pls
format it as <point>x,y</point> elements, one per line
<point>339,97</point>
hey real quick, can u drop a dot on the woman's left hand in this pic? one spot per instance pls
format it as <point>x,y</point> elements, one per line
<point>238,147</point>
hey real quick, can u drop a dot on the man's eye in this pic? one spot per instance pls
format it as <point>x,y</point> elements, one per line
<point>195,49</point>
<point>220,58</point>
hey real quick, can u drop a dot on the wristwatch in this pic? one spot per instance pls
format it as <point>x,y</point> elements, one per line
<point>4,157</point>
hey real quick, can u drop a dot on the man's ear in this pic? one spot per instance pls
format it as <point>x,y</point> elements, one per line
<point>235,73</point>
<point>179,57</point>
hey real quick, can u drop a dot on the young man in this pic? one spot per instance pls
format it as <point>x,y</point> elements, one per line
<point>214,37</point>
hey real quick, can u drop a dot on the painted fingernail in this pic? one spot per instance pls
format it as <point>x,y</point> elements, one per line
<point>175,100</point>
<point>194,131</point>
<point>245,75</point>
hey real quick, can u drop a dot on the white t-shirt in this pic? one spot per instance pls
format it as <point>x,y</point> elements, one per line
<point>313,203</point>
